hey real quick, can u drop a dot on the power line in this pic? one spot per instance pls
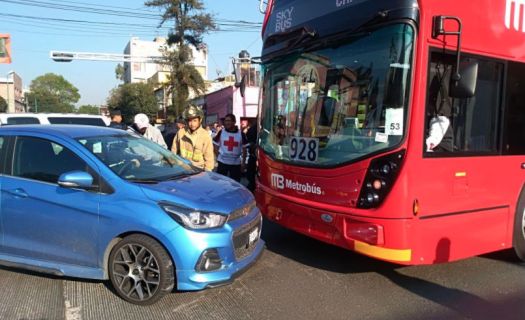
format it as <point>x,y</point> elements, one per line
<point>120,25</point>
<point>103,6</point>
<point>122,13</point>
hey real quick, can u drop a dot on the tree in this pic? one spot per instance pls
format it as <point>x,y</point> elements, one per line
<point>52,93</point>
<point>88,109</point>
<point>120,72</point>
<point>133,98</point>
<point>190,24</point>
<point>3,105</point>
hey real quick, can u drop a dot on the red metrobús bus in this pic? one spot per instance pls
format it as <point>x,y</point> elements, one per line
<point>395,128</point>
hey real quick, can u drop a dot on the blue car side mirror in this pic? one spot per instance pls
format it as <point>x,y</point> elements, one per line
<point>76,179</point>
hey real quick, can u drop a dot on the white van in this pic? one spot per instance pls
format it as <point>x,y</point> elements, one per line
<point>53,118</point>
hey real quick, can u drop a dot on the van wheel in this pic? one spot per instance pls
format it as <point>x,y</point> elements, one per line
<point>519,229</point>
<point>140,269</point>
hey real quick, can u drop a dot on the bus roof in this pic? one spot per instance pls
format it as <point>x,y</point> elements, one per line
<point>489,27</point>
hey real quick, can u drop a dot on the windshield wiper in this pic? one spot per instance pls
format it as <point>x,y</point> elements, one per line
<point>145,181</point>
<point>297,36</point>
<point>183,175</point>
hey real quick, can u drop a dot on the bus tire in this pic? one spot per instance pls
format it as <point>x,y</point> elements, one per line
<point>518,241</point>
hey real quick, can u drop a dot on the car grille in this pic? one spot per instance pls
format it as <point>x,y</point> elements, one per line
<point>241,238</point>
<point>242,212</point>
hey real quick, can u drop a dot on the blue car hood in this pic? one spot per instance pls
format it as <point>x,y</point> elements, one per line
<point>205,191</point>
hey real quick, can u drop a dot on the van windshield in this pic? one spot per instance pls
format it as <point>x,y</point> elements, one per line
<point>77,120</point>
<point>22,120</point>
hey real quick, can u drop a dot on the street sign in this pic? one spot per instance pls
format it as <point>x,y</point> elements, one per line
<point>5,48</point>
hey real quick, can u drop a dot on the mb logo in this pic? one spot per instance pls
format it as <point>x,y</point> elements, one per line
<point>514,19</point>
<point>277,181</point>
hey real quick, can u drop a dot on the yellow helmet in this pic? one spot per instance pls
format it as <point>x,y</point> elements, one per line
<point>192,112</point>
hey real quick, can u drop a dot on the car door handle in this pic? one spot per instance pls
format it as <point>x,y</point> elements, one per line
<point>18,193</point>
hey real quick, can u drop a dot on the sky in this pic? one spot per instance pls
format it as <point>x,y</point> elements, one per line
<point>38,27</point>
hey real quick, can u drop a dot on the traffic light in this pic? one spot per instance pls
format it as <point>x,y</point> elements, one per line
<point>61,56</point>
<point>5,48</point>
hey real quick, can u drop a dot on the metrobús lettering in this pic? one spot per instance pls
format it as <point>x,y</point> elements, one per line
<point>305,188</point>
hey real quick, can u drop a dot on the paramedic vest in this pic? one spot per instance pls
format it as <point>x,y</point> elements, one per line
<point>230,148</point>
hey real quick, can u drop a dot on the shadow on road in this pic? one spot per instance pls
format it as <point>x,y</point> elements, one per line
<point>323,256</point>
<point>317,254</point>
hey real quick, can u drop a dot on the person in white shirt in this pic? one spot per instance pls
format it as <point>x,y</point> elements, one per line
<point>230,143</point>
<point>142,126</point>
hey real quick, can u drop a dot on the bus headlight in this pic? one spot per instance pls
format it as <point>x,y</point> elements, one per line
<point>379,179</point>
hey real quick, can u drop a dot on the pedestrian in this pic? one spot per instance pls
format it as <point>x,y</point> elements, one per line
<point>116,120</point>
<point>171,131</point>
<point>193,142</point>
<point>142,126</point>
<point>251,168</point>
<point>230,144</point>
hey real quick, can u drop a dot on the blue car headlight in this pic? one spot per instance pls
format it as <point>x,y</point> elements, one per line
<point>194,219</point>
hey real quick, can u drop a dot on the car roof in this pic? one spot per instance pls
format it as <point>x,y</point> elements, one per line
<point>43,114</point>
<point>44,118</point>
<point>71,131</point>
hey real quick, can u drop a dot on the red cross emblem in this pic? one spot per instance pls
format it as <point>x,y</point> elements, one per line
<point>231,143</point>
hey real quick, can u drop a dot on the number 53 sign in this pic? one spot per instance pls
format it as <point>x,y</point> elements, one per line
<point>304,149</point>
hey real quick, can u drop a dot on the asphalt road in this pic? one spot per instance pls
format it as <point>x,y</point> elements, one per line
<point>296,278</point>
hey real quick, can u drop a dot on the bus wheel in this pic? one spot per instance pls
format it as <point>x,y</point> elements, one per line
<point>519,229</point>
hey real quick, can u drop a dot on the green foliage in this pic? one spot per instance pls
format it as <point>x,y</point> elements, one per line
<point>190,24</point>
<point>120,72</point>
<point>182,78</point>
<point>88,109</point>
<point>52,93</point>
<point>3,105</point>
<point>133,98</point>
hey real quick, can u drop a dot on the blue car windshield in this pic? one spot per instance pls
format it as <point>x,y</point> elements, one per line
<point>137,159</point>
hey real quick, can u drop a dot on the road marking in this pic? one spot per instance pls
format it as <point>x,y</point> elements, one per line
<point>72,312</point>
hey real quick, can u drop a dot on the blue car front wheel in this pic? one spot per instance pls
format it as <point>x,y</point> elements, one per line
<point>140,270</point>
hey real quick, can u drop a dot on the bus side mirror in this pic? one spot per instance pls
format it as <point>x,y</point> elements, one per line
<point>465,87</point>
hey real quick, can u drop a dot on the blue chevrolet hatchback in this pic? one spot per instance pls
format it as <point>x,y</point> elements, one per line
<point>100,203</point>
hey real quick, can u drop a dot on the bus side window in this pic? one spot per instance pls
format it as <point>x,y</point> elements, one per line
<point>514,128</point>
<point>465,125</point>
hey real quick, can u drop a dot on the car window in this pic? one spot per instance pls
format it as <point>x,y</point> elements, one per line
<point>22,120</point>
<point>2,153</point>
<point>44,160</point>
<point>77,120</point>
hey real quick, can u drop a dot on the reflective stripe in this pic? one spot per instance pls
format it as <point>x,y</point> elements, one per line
<point>195,156</point>
<point>198,156</point>
<point>186,153</point>
<point>401,255</point>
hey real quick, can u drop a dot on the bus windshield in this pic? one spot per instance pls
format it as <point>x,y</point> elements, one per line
<point>344,101</point>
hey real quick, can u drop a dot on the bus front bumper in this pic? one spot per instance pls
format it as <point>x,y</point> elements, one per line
<point>384,239</point>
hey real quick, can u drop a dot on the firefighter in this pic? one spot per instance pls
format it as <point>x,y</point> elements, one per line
<point>193,142</point>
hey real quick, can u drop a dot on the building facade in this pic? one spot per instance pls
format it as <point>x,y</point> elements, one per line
<point>142,71</point>
<point>11,90</point>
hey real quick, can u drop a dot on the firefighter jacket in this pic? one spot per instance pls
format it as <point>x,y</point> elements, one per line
<point>196,147</point>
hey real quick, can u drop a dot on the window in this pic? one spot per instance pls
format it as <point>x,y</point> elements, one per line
<point>44,160</point>
<point>462,126</point>
<point>3,146</point>
<point>23,120</point>
<point>340,102</point>
<point>77,120</point>
<point>514,133</point>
